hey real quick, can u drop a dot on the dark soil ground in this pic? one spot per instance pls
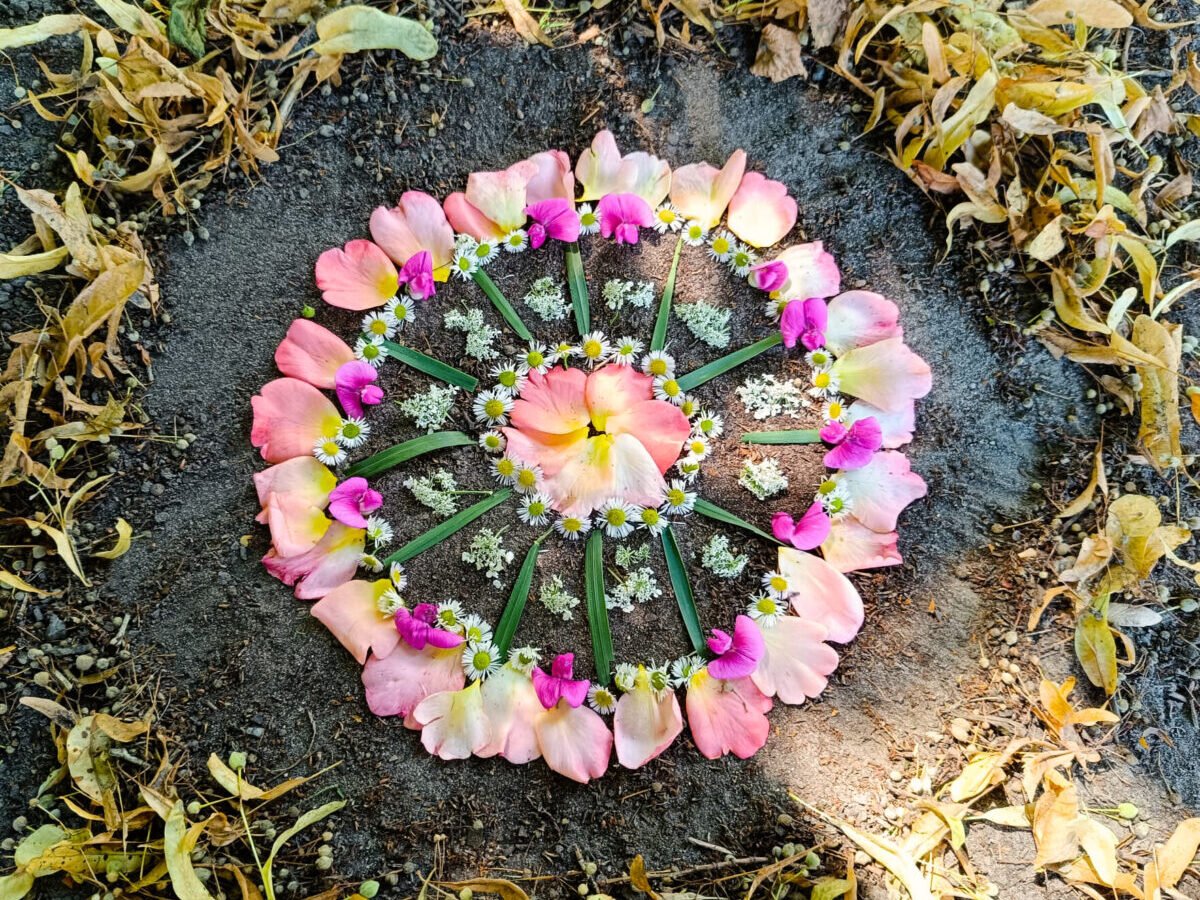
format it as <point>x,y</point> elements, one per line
<point>238,663</point>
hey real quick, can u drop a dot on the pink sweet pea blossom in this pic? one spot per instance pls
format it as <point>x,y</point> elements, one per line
<point>554,179</point>
<point>646,722</point>
<point>559,685</point>
<point>796,662</point>
<point>702,192</point>
<point>397,682</point>
<point>727,716</point>
<point>512,709</point>
<point>811,272</point>
<point>621,215</point>
<point>897,426</point>
<point>453,723</point>
<point>853,447</point>
<point>808,533</point>
<point>804,321</point>
<point>358,276</point>
<point>736,654</point>
<point>761,212</point>
<point>636,438</point>
<point>355,385</point>
<point>352,501</point>
<point>417,275</point>
<point>555,218</point>
<point>768,276</point>
<point>574,741</point>
<point>290,416</point>
<point>329,564</point>
<point>415,224</point>
<point>351,613</point>
<point>494,202</point>
<point>602,170</point>
<point>821,593</point>
<point>886,374</point>
<point>312,353</point>
<point>859,318</point>
<point>419,629</point>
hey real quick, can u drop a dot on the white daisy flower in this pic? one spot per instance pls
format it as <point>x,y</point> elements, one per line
<point>667,218</point>
<point>774,308</point>
<point>721,247</point>
<point>492,442</point>
<point>485,251</point>
<point>535,509</point>
<point>399,579</point>
<point>694,233</point>
<point>329,452</point>
<point>741,259</point>
<point>464,264</point>
<point>689,468</point>
<point>449,614</point>
<point>504,469</point>
<point>589,222</point>
<point>475,629</point>
<point>659,364</point>
<point>696,447</point>
<point>527,479</point>
<point>401,310</point>
<point>625,351</point>
<point>625,676</point>
<point>616,517</point>
<point>516,240</point>
<point>834,409</point>
<point>536,358</point>
<point>651,519</point>
<point>523,659</point>
<point>689,407</point>
<point>389,603</point>
<point>508,380</point>
<point>602,699</point>
<point>379,531</point>
<point>563,350</point>
<point>824,384</point>
<point>684,668</point>
<point>594,348</point>
<point>382,324</point>
<point>820,359</point>
<point>678,501</point>
<point>668,389</point>
<point>835,499</point>
<point>370,350</point>
<point>776,584</point>
<point>659,678</point>
<point>492,407</point>
<point>480,660</point>
<point>572,527</point>
<point>370,562</point>
<point>765,610</point>
<point>709,424</point>
<point>353,432</point>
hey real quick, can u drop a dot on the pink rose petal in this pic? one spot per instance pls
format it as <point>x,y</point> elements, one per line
<point>574,742</point>
<point>727,716</point>
<point>290,416</point>
<point>312,353</point>
<point>351,613</point>
<point>822,594</point>
<point>414,224</point>
<point>761,212</point>
<point>396,683</point>
<point>797,662</point>
<point>358,276</point>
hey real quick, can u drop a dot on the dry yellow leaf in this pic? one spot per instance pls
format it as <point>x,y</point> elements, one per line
<point>779,57</point>
<point>124,539</point>
<point>1094,13</point>
<point>1159,434</point>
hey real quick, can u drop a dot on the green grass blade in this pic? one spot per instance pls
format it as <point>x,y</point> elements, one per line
<point>697,377</point>
<point>452,525</point>
<point>393,456</point>
<point>577,282</point>
<point>659,340</point>
<point>725,517</point>
<point>597,610</point>
<point>683,590</point>
<point>502,305</point>
<point>797,436</point>
<point>506,628</point>
<point>435,368</point>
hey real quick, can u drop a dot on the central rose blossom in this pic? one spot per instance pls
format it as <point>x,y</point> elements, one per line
<point>596,437</point>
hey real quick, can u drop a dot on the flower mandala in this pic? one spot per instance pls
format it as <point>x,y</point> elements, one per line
<point>588,440</point>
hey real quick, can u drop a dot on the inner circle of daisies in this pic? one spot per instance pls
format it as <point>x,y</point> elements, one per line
<point>588,439</point>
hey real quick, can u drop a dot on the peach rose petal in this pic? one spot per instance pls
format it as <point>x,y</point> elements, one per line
<point>822,594</point>
<point>397,682</point>
<point>351,613</point>
<point>312,353</point>
<point>574,741</point>
<point>727,716</point>
<point>797,663</point>
<point>761,212</point>
<point>290,416</point>
<point>852,546</point>
<point>416,223</point>
<point>358,276</point>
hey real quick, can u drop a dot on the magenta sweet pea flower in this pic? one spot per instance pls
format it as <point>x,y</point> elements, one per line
<point>559,685</point>
<point>768,276</point>
<point>555,218</point>
<point>621,215</point>
<point>352,501</point>
<point>417,274</point>
<point>737,654</point>
<point>418,628</point>
<point>355,385</point>
<point>853,447</point>
<point>804,321</point>
<point>809,532</point>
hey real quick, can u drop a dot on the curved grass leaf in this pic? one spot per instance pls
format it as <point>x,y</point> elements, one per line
<point>393,456</point>
<point>796,436</point>
<point>434,368</point>
<point>577,282</point>
<point>725,517</point>
<point>659,339</point>
<point>704,374</point>
<point>683,589</point>
<point>506,628</point>
<point>597,609</point>
<point>502,305</point>
<point>452,525</point>
<point>308,819</point>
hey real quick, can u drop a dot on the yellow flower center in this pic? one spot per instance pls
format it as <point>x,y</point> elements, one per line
<point>676,497</point>
<point>778,583</point>
<point>698,448</point>
<point>481,660</point>
<point>370,351</point>
<point>493,409</point>
<point>650,516</point>
<point>766,606</point>
<point>592,349</point>
<point>378,326</point>
<point>508,378</point>
<point>821,379</point>
<point>721,245</point>
<point>615,517</point>
<point>506,467</point>
<point>535,358</point>
<point>527,478</point>
<point>572,524</point>
<point>827,486</point>
<point>658,367</point>
<point>671,388</point>
<point>537,508</point>
<point>835,410</point>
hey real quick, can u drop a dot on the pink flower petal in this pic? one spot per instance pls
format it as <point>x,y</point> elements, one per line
<point>897,425</point>
<point>355,385</point>
<point>296,524</point>
<point>614,389</point>
<point>858,318</point>
<point>396,683</point>
<point>500,196</point>
<point>741,657</point>
<point>797,663</point>
<point>808,533</point>
<point>822,594</point>
<point>768,276</point>
<point>290,416</point>
<point>553,179</point>
<point>598,168</point>
<point>551,452</point>
<point>328,565</point>
<point>414,224</point>
<point>453,723</point>
<point>556,218</point>
<point>359,276</point>
<point>882,489</point>
<point>727,716</point>
<point>604,467</point>
<point>886,374</point>
<point>761,212</point>
<point>811,272</point>
<point>621,215</point>
<point>301,477</point>
<point>352,501</point>
<point>574,741</point>
<point>855,446</point>
<point>645,176</point>
<point>645,725</point>
<point>658,426</point>
<point>466,219</point>
<point>312,353</point>
<point>702,192</point>
<point>351,613</point>
<point>852,546</point>
<point>553,403</point>
<point>512,709</point>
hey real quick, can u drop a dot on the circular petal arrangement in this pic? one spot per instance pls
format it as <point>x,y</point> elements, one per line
<point>591,439</point>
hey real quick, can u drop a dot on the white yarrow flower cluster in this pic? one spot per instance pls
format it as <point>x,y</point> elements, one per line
<point>429,410</point>
<point>638,586</point>
<point>707,322</point>
<point>481,337</point>
<point>765,397</point>
<point>763,479</point>
<point>718,557</point>
<point>435,491</point>
<point>557,599</point>
<point>546,298</point>
<point>616,293</point>
<point>488,554</point>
